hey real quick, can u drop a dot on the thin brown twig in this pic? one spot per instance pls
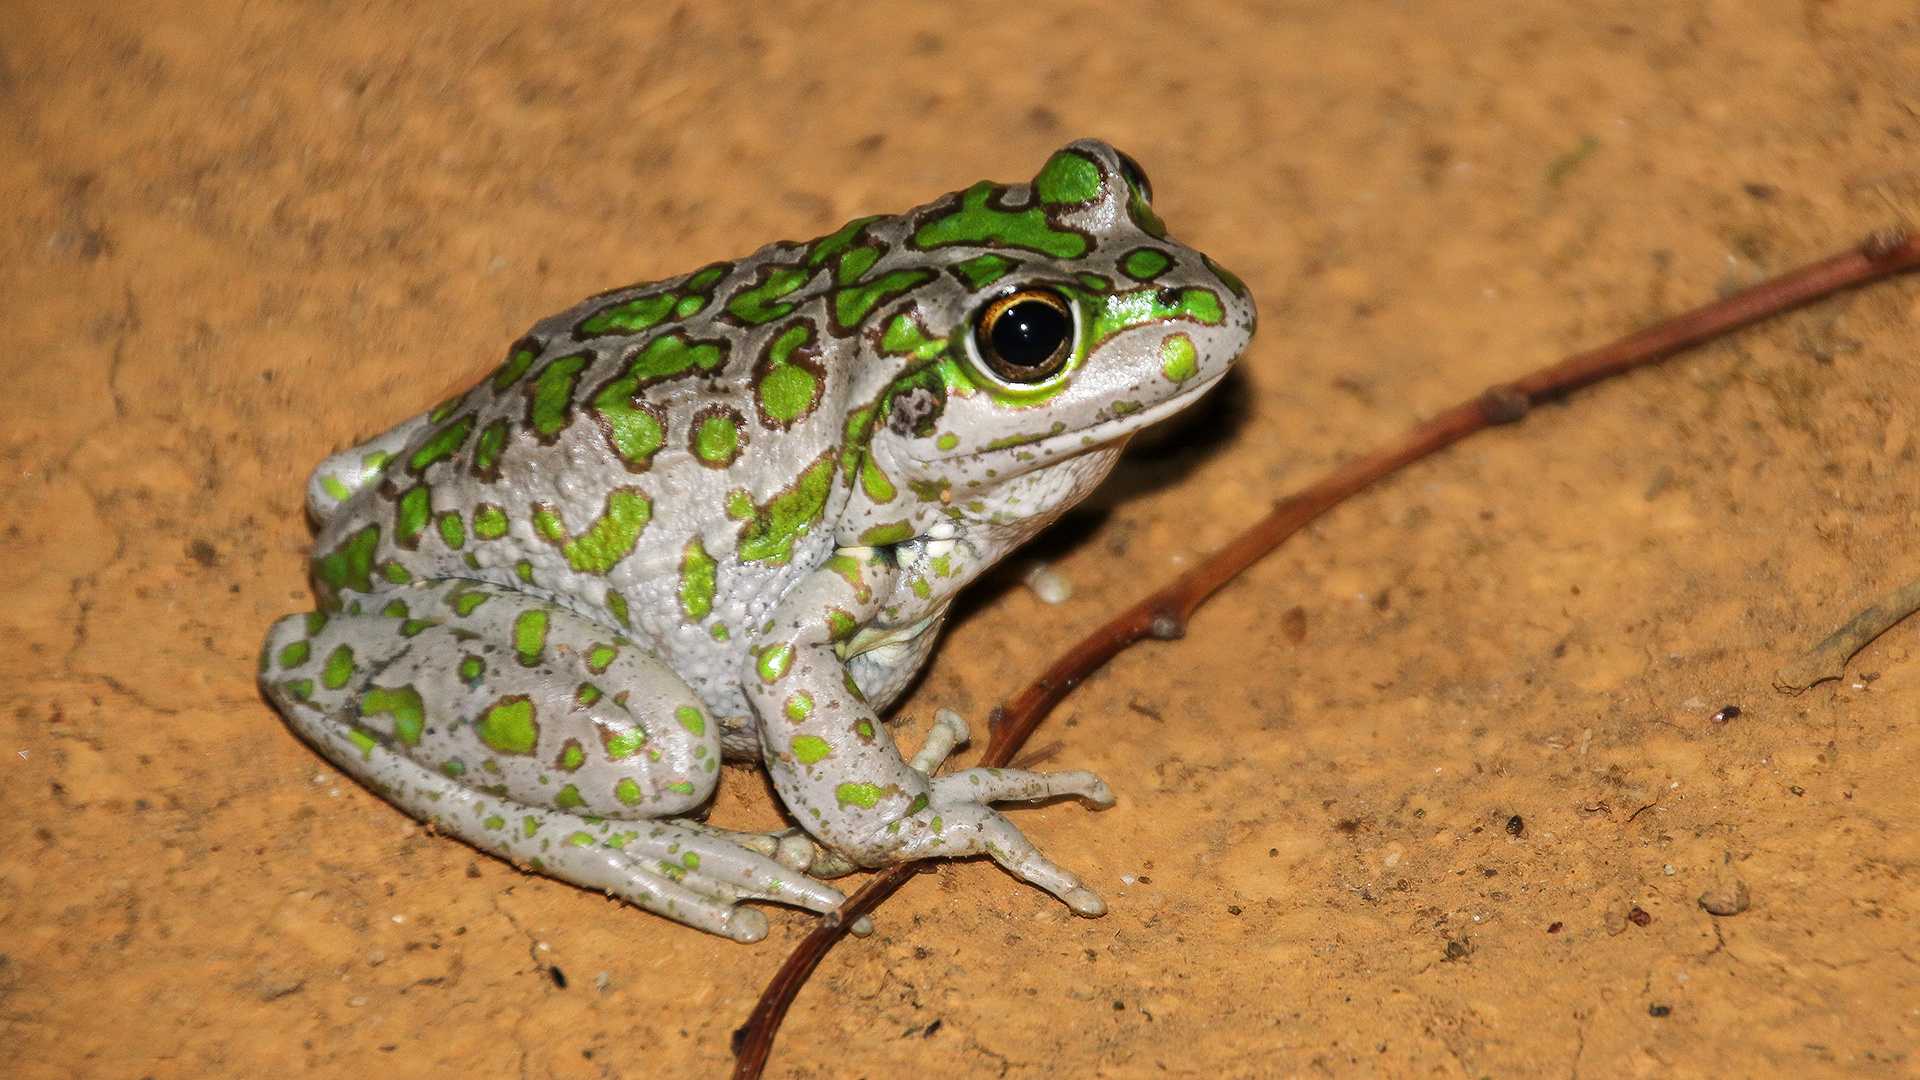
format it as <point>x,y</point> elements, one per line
<point>1164,614</point>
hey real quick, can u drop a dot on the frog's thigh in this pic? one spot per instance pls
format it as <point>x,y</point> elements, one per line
<point>502,693</point>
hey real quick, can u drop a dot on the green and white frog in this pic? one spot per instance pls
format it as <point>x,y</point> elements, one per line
<point>725,514</point>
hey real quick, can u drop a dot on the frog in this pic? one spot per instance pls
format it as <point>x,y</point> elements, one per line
<point>723,516</point>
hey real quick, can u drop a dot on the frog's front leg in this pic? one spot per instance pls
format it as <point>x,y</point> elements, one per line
<point>534,734</point>
<point>838,770</point>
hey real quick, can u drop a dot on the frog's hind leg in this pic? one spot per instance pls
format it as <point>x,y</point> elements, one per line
<point>534,734</point>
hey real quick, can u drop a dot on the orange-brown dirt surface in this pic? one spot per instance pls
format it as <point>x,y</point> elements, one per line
<point>239,236</point>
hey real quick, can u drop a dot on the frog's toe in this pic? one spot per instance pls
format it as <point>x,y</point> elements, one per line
<point>1013,785</point>
<point>1085,901</point>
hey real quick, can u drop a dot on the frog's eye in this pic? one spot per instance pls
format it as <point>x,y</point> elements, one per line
<point>1136,176</point>
<point>1025,337</point>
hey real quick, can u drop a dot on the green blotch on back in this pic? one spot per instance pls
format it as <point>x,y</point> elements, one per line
<point>977,223</point>
<point>472,669</point>
<point>717,440</point>
<point>553,395</point>
<point>683,787</point>
<point>865,796</point>
<point>692,719</point>
<point>617,605</point>
<point>609,539</point>
<point>769,536</point>
<point>983,271</point>
<point>508,726</point>
<point>489,522</point>
<point>852,305</point>
<point>838,241</point>
<point>530,636</point>
<point>294,655</point>
<point>634,428</point>
<point>568,798</point>
<point>627,791</point>
<point>810,749</point>
<point>350,565</point>
<point>903,335</point>
<point>697,579</point>
<point>403,704</point>
<point>761,303</point>
<point>453,531</point>
<point>1178,358</point>
<point>787,388</point>
<point>442,445</point>
<point>410,520</point>
<point>487,448</point>
<point>519,358</point>
<point>599,657</point>
<point>629,317</point>
<point>571,756</point>
<point>338,669</point>
<point>586,695</point>
<point>365,742</point>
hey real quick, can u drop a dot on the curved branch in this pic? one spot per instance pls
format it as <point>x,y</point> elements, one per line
<point>1164,614</point>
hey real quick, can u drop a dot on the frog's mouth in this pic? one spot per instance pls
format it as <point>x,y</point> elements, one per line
<point>1043,450</point>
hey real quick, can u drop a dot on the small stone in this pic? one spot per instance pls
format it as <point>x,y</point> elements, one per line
<point>1725,900</point>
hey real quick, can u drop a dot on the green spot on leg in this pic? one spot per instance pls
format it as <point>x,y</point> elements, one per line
<point>365,742</point>
<point>472,669</point>
<point>681,788</point>
<point>617,606</point>
<point>720,632</point>
<point>692,860</point>
<point>799,705</point>
<point>403,704</point>
<point>300,689</point>
<point>580,839</point>
<point>1178,358</point>
<point>295,654</point>
<point>599,656</point>
<point>697,571</point>
<point>530,636</point>
<point>395,609</point>
<point>335,489</point>
<point>774,662</point>
<point>947,441</point>
<point>809,749</point>
<point>692,719</point>
<point>586,695</point>
<point>571,755</point>
<point>530,825</point>
<point>339,668</point>
<point>627,792</point>
<point>918,804</point>
<point>454,769</point>
<point>453,531</point>
<point>625,743</point>
<point>395,573</point>
<point>568,798</point>
<point>508,726</point>
<point>489,522</point>
<point>883,535</point>
<point>865,796</point>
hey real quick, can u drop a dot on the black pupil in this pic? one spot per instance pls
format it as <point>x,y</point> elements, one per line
<point>1028,333</point>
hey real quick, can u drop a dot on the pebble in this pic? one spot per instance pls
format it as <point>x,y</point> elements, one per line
<point>1727,899</point>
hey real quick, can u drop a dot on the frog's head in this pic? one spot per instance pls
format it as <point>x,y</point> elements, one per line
<point>1060,320</point>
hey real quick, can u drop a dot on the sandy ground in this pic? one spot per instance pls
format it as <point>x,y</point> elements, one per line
<point>237,236</point>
